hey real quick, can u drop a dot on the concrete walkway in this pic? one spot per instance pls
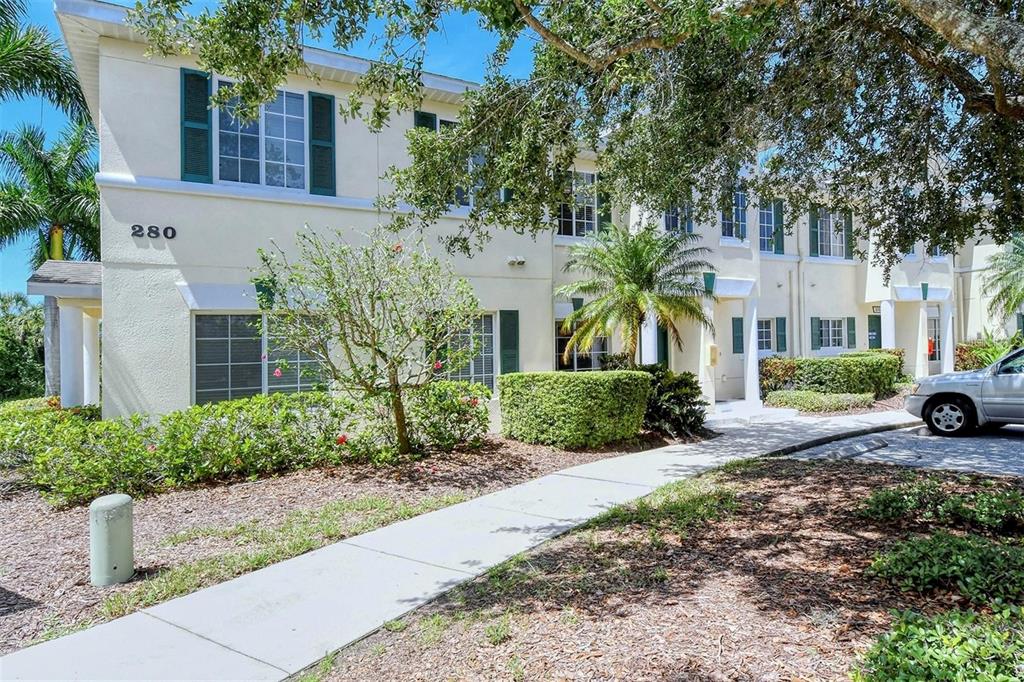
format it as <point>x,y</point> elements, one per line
<point>275,622</point>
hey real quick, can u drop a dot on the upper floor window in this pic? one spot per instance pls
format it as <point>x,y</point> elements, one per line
<point>734,222</point>
<point>936,252</point>
<point>270,150</point>
<point>579,219</point>
<point>679,218</point>
<point>766,231</point>
<point>831,241</point>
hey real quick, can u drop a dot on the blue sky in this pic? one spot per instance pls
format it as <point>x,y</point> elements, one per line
<point>460,49</point>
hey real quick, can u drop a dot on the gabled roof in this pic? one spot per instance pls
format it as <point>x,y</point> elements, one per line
<point>83,22</point>
<point>67,279</point>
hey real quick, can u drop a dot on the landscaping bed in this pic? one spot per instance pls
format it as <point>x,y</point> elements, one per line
<point>762,570</point>
<point>188,538</point>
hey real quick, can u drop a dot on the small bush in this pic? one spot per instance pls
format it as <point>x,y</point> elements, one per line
<point>812,401</point>
<point>875,373</point>
<point>446,414</point>
<point>1000,511</point>
<point>982,570</point>
<point>980,353</point>
<point>27,427</point>
<point>676,406</point>
<point>573,409</point>
<point>957,645</point>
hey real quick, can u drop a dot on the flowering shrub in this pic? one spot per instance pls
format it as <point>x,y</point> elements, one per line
<point>446,414</point>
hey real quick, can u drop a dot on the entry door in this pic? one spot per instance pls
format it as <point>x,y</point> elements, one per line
<point>1003,392</point>
<point>934,342</point>
<point>874,331</point>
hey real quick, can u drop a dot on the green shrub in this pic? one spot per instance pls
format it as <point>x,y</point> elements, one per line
<point>1000,511</point>
<point>982,570</point>
<point>573,409</point>
<point>980,353</point>
<point>875,373</point>
<point>676,406</point>
<point>813,401</point>
<point>27,426</point>
<point>446,414</point>
<point>960,646</point>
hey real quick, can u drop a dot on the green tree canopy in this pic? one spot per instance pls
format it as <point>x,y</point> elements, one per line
<point>907,111</point>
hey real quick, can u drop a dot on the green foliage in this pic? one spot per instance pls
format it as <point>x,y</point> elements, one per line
<point>956,646</point>
<point>875,373</point>
<point>573,409</point>
<point>27,428</point>
<point>676,406</point>
<point>999,511</point>
<point>981,353</point>
<point>983,570</point>
<point>675,507</point>
<point>813,401</point>
<point>1003,281</point>
<point>21,347</point>
<point>446,414</point>
<point>629,273</point>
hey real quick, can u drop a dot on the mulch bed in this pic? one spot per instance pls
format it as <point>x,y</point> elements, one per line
<point>44,553</point>
<point>776,591</point>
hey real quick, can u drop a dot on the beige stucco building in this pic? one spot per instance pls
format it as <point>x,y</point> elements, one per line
<point>188,196</point>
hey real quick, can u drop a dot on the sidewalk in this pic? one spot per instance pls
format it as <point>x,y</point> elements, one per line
<point>275,622</point>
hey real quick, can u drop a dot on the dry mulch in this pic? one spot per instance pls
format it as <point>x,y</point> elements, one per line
<point>44,553</point>
<point>776,591</point>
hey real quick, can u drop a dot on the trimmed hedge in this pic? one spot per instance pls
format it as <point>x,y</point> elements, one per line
<point>875,373</point>
<point>573,409</point>
<point>813,401</point>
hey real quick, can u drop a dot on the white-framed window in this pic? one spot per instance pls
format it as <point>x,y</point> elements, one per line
<point>734,222</point>
<point>831,237</point>
<point>270,150</point>
<point>766,228</point>
<point>579,219</point>
<point>833,332</point>
<point>679,218</point>
<point>934,340</point>
<point>766,335</point>
<point>480,368</point>
<point>578,360</point>
<point>936,252</point>
<point>233,358</point>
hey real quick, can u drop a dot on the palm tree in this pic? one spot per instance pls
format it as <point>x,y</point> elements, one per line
<point>33,64</point>
<point>1004,280</point>
<point>630,274</point>
<point>50,194</point>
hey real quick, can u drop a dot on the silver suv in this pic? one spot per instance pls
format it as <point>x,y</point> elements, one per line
<point>954,404</point>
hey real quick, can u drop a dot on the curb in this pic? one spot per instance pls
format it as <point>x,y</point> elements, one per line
<point>825,440</point>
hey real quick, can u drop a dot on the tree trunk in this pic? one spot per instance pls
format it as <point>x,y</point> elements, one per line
<point>398,408</point>
<point>56,242</point>
<point>51,344</point>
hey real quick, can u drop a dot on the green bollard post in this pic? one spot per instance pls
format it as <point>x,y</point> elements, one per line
<point>111,545</point>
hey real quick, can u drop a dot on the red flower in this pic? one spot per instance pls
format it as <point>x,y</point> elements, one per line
<point>342,439</point>
<point>277,372</point>
<point>474,402</point>
<point>397,248</point>
<point>151,447</point>
<point>437,364</point>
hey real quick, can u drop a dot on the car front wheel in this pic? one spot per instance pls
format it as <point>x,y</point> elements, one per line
<point>949,417</point>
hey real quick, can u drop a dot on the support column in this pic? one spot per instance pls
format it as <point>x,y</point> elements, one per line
<point>649,340</point>
<point>90,360</point>
<point>946,340</point>
<point>51,345</point>
<point>71,356</point>
<point>919,353</point>
<point>888,314</point>
<point>751,371</point>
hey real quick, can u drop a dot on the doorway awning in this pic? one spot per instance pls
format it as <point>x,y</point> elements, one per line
<point>67,279</point>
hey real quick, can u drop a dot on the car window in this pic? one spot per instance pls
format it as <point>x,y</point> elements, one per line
<point>1014,365</point>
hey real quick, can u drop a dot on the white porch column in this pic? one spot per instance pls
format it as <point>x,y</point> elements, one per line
<point>649,340</point>
<point>71,356</point>
<point>90,360</point>
<point>946,340</point>
<point>888,310</point>
<point>751,374</point>
<point>919,357</point>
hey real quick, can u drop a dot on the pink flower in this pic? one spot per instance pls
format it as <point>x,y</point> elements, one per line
<point>437,364</point>
<point>397,248</point>
<point>278,372</point>
<point>263,357</point>
<point>151,447</point>
<point>342,439</point>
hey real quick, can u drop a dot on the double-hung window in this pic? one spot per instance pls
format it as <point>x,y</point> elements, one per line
<point>832,333</point>
<point>578,360</point>
<point>831,241</point>
<point>480,368</point>
<point>766,228</point>
<point>270,150</point>
<point>765,335</point>
<point>936,252</point>
<point>579,219</point>
<point>679,218</point>
<point>734,222</point>
<point>234,358</point>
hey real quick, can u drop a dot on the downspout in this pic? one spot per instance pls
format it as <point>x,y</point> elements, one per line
<point>800,290</point>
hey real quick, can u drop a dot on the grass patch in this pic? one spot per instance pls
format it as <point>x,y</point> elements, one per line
<point>321,671</point>
<point>957,645</point>
<point>676,507</point>
<point>499,631</point>
<point>397,625</point>
<point>982,570</point>
<point>300,532</point>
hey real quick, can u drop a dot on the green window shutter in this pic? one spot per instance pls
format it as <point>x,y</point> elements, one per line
<point>851,332</point>
<point>662,346</point>
<point>1020,322</point>
<point>508,331</point>
<point>604,205</point>
<point>812,226</point>
<point>780,235</point>
<point>780,334</point>
<point>424,119</point>
<point>196,130</point>
<point>321,144</point>
<point>737,335</point>
<point>815,333</point>
<point>848,234</point>
<point>577,303</point>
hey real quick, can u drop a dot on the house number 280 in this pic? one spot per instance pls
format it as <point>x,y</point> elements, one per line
<point>154,232</point>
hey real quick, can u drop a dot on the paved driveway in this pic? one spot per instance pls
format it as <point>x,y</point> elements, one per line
<point>995,452</point>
